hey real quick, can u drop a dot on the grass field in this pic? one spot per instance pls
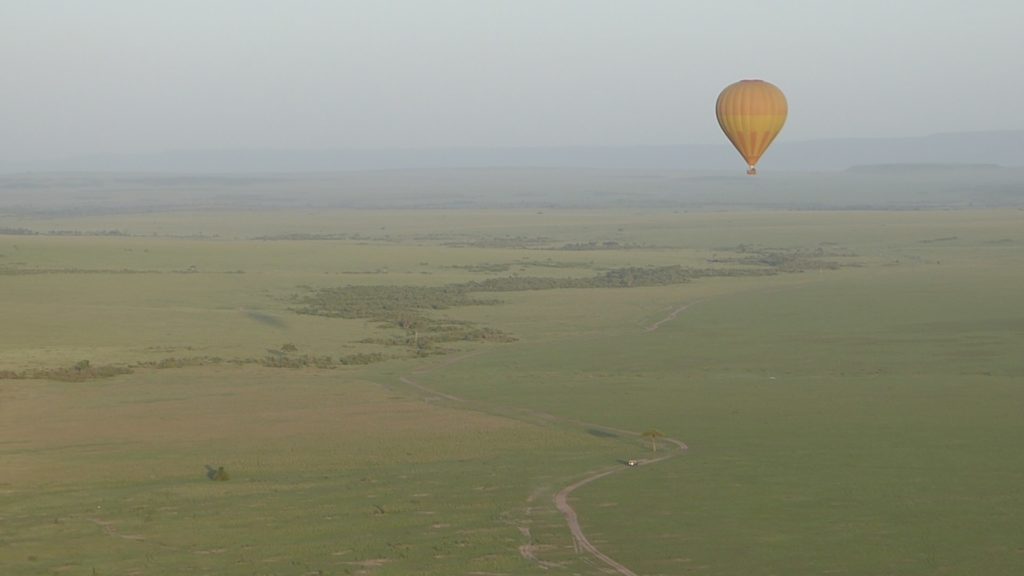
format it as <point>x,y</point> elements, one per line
<point>852,408</point>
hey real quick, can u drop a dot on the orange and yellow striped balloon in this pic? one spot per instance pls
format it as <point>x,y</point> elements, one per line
<point>751,113</point>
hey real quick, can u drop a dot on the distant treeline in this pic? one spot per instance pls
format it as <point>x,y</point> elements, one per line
<point>504,242</point>
<point>545,243</point>
<point>401,307</point>
<point>82,370</point>
<point>603,245</point>
<point>27,232</point>
<point>792,260</point>
<point>17,232</point>
<point>85,370</point>
<point>630,277</point>
<point>506,266</point>
<point>383,302</point>
<point>387,302</point>
<point>425,335</point>
<point>273,359</point>
<point>406,307</point>
<point>308,236</point>
<point>10,271</point>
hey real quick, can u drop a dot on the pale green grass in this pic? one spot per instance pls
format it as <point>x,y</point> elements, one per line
<point>327,472</point>
<point>862,422</point>
<point>859,421</point>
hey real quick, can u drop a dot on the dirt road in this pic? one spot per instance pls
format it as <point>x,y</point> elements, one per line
<point>562,503</point>
<point>561,499</point>
<point>671,316</point>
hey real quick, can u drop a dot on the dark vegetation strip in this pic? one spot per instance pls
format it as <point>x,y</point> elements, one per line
<point>27,232</point>
<point>9,271</point>
<point>407,308</point>
<point>495,267</point>
<point>80,371</point>
<point>383,302</point>
<point>85,370</point>
<point>12,271</point>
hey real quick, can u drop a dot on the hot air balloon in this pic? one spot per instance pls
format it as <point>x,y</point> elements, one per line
<point>751,113</point>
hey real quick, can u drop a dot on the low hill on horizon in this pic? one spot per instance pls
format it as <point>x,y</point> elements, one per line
<point>866,187</point>
<point>989,148</point>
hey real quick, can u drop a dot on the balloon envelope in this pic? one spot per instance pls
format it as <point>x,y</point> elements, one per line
<point>751,113</point>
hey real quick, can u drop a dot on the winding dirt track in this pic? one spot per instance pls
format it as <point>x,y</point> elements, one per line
<point>561,499</point>
<point>671,316</point>
<point>562,503</point>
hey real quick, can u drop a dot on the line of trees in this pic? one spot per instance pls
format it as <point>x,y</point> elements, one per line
<point>78,372</point>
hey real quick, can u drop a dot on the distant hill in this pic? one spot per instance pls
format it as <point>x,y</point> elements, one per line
<point>878,187</point>
<point>911,168</point>
<point>988,148</point>
<point>999,148</point>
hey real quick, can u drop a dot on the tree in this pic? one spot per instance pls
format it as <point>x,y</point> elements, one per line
<point>653,435</point>
<point>219,474</point>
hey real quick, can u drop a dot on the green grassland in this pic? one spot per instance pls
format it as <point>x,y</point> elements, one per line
<point>849,384</point>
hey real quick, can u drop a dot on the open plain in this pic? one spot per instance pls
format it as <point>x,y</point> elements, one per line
<point>406,391</point>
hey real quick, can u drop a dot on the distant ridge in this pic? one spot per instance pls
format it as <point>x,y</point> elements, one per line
<point>914,168</point>
<point>970,148</point>
<point>993,148</point>
<point>885,187</point>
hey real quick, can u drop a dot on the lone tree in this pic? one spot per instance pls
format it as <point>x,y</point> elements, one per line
<point>218,474</point>
<point>653,435</point>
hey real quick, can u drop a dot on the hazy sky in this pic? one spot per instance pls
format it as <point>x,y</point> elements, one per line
<point>136,76</point>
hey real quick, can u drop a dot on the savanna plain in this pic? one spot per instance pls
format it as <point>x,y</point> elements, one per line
<point>359,391</point>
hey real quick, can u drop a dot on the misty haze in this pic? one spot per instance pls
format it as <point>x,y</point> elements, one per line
<point>500,288</point>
